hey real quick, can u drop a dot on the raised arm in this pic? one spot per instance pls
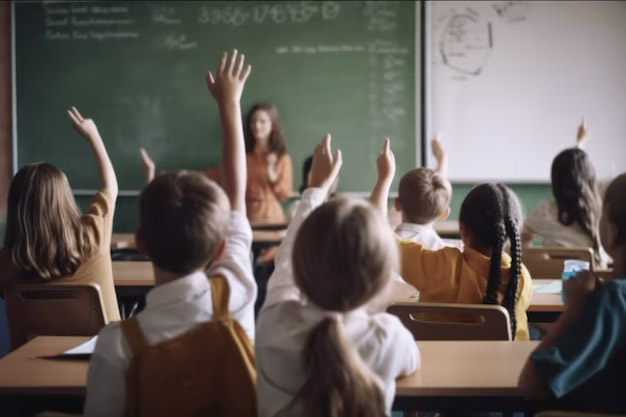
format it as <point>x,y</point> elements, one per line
<point>226,87</point>
<point>439,152</point>
<point>386,164</point>
<point>324,170</point>
<point>148,166</point>
<point>87,128</point>
<point>582,135</point>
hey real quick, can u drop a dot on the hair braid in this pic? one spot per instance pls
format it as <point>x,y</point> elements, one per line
<point>499,234</point>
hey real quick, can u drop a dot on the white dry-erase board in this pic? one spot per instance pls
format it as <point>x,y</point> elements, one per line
<point>509,81</point>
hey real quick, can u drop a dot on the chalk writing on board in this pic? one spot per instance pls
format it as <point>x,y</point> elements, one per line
<point>81,22</point>
<point>176,41</point>
<point>165,15</point>
<point>387,87</point>
<point>381,15</point>
<point>278,13</point>
<point>512,11</point>
<point>319,49</point>
<point>465,42</point>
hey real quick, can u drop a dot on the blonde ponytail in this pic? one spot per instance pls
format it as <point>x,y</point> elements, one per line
<point>343,256</point>
<point>339,383</point>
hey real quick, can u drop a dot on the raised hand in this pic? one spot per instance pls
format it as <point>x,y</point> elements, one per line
<point>386,163</point>
<point>272,160</point>
<point>86,127</point>
<point>230,78</point>
<point>439,152</point>
<point>582,135</point>
<point>325,166</point>
<point>147,164</point>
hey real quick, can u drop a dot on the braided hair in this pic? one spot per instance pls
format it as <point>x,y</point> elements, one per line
<point>492,214</point>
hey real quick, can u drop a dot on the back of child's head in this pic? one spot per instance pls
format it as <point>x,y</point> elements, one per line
<point>43,230</point>
<point>182,220</point>
<point>491,214</point>
<point>575,190</point>
<point>615,207</point>
<point>424,195</point>
<point>343,256</point>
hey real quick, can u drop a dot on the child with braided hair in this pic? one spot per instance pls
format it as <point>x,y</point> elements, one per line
<point>482,272</point>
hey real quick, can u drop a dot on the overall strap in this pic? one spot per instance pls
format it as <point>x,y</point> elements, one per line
<point>134,335</point>
<point>220,295</point>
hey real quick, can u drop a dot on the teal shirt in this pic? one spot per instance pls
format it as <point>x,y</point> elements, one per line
<point>586,367</point>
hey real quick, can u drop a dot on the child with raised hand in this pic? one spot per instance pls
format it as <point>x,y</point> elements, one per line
<point>424,198</point>
<point>580,362</point>
<point>48,239</point>
<point>572,219</point>
<point>199,240</point>
<point>482,272</point>
<point>318,352</point>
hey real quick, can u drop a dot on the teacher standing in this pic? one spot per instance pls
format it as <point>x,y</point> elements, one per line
<point>270,174</point>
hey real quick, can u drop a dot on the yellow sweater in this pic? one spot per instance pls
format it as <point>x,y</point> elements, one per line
<point>451,276</point>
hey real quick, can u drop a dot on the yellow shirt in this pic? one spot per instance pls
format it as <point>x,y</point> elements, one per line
<point>450,276</point>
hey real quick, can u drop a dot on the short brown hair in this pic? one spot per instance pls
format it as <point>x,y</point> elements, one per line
<point>424,195</point>
<point>182,219</point>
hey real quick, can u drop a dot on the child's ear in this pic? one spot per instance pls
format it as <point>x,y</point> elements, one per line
<point>396,204</point>
<point>444,215</point>
<point>139,244</point>
<point>218,251</point>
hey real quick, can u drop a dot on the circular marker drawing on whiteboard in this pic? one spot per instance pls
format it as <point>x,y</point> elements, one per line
<point>465,42</point>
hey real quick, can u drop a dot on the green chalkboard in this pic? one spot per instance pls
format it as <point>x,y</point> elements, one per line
<point>137,68</point>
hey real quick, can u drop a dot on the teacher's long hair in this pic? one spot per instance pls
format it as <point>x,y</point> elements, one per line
<point>277,142</point>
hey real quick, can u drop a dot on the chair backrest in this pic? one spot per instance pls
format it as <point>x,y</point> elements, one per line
<point>53,309</point>
<point>547,261</point>
<point>434,321</point>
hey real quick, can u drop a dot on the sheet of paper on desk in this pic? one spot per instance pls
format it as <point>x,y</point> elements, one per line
<point>554,287</point>
<point>82,351</point>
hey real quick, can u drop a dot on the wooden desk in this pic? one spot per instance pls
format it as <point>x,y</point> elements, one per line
<point>261,238</point>
<point>454,375</point>
<point>479,375</point>
<point>23,372</point>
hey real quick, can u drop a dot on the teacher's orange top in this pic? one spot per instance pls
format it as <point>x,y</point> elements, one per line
<point>263,196</point>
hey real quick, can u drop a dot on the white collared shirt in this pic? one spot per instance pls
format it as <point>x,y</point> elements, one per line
<point>426,235</point>
<point>172,309</point>
<point>286,320</point>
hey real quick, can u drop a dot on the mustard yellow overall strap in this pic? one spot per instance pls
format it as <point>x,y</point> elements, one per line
<point>220,295</point>
<point>134,335</point>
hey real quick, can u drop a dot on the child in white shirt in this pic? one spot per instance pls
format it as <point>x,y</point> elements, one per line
<point>186,222</point>
<point>319,353</point>
<point>424,198</point>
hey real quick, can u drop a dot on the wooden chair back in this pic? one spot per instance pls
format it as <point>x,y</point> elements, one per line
<point>435,321</point>
<point>547,262</point>
<point>53,309</point>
